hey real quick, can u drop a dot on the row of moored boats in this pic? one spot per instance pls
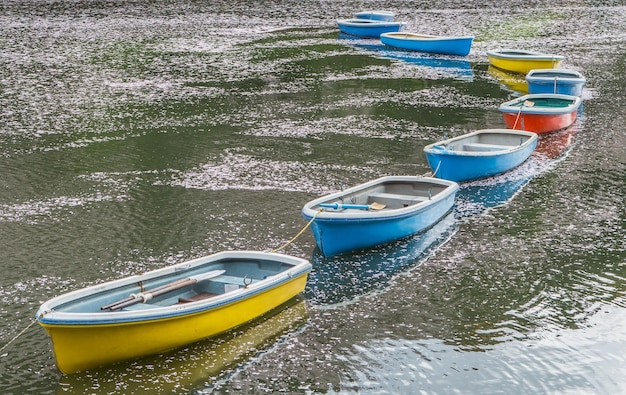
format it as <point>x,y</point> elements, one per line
<point>174,306</point>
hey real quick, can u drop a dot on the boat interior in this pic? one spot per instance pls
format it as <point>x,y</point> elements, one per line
<point>220,277</point>
<point>391,195</point>
<point>485,142</point>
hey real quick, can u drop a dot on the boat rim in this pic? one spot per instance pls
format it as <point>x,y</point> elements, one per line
<point>422,37</point>
<point>47,316</point>
<point>368,22</point>
<point>430,148</point>
<point>509,106</point>
<point>521,55</point>
<point>308,212</point>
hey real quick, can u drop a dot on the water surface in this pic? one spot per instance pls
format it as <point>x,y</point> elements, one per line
<point>139,134</point>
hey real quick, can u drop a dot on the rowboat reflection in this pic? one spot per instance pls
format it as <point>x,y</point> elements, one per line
<point>474,198</point>
<point>555,145</point>
<point>343,278</point>
<point>459,68</point>
<point>509,81</point>
<point>195,367</point>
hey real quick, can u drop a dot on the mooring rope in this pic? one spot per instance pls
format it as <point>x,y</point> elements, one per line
<point>299,233</point>
<point>18,335</point>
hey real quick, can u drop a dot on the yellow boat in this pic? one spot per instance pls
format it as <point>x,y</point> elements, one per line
<point>167,308</point>
<point>521,61</point>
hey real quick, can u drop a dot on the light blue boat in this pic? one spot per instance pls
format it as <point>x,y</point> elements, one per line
<point>368,27</point>
<point>378,212</point>
<point>457,46</point>
<point>376,15</point>
<point>479,154</point>
<point>561,81</point>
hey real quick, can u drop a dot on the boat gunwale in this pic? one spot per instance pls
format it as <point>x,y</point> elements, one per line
<point>362,22</point>
<point>47,316</point>
<point>522,55</point>
<point>511,107</point>
<point>409,36</point>
<point>450,187</point>
<point>568,76</point>
<point>430,148</point>
<point>370,13</point>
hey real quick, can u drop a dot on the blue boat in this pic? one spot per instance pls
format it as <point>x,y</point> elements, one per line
<point>368,27</point>
<point>479,154</point>
<point>458,46</point>
<point>561,81</point>
<point>378,212</point>
<point>376,15</point>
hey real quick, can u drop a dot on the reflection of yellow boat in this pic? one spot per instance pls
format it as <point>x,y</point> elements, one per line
<point>520,61</point>
<point>168,308</point>
<point>511,81</point>
<point>191,368</point>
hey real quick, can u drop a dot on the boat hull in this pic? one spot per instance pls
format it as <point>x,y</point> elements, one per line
<point>564,82</point>
<point>85,343</point>
<point>367,27</point>
<point>457,46</point>
<point>550,112</point>
<point>336,233</point>
<point>480,154</point>
<point>518,61</point>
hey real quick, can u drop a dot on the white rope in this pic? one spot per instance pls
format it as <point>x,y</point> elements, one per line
<point>18,335</point>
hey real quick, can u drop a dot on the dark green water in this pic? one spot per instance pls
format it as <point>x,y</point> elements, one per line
<point>139,134</point>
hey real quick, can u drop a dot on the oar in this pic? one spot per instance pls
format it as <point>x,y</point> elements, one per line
<point>527,103</point>
<point>143,297</point>
<point>343,206</point>
<point>152,290</point>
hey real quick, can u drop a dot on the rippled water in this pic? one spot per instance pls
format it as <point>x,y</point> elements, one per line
<point>139,134</point>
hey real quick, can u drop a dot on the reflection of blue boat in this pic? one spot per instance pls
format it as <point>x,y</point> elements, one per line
<point>376,15</point>
<point>459,46</point>
<point>368,27</point>
<point>479,154</point>
<point>342,278</point>
<point>474,198</point>
<point>378,212</point>
<point>564,82</point>
<point>455,66</point>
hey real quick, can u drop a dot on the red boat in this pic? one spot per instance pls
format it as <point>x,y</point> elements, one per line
<point>541,112</point>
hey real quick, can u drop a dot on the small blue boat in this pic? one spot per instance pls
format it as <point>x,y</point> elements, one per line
<point>368,27</point>
<point>458,46</point>
<point>479,154</point>
<point>378,212</point>
<point>561,81</point>
<point>376,15</point>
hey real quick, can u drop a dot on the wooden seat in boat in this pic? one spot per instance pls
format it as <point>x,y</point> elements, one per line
<point>485,147</point>
<point>197,297</point>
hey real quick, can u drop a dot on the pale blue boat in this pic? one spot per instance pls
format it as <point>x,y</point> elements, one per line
<point>376,15</point>
<point>368,27</point>
<point>560,81</point>
<point>378,212</point>
<point>446,45</point>
<point>479,154</point>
